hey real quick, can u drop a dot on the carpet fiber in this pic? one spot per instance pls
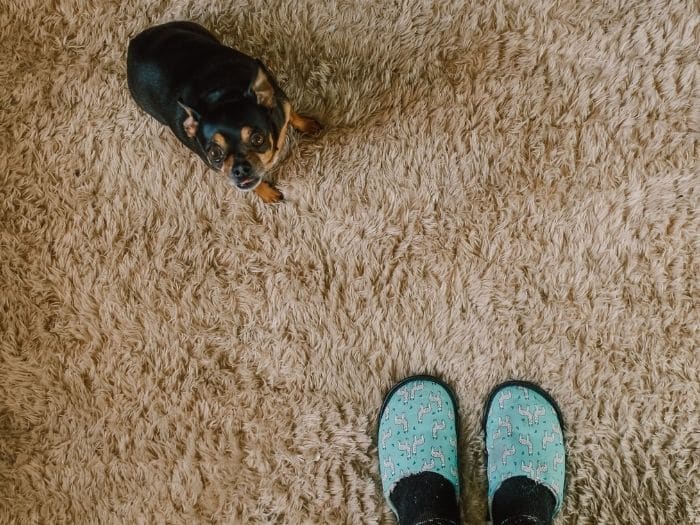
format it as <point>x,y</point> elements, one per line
<point>503,190</point>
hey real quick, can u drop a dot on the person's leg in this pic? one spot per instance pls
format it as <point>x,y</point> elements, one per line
<point>525,455</point>
<point>425,498</point>
<point>417,444</point>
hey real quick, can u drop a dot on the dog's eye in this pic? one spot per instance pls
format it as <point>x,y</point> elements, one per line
<point>257,139</point>
<point>216,154</point>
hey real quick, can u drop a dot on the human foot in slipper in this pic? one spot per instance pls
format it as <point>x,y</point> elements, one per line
<point>417,443</point>
<point>525,454</point>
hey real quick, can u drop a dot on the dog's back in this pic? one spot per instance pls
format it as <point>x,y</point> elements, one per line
<point>165,61</point>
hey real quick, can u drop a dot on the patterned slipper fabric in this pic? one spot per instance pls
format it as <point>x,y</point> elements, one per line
<point>418,432</point>
<point>524,437</point>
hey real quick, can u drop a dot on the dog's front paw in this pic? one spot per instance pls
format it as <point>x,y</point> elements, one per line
<point>268,193</point>
<point>305,124</point>
<point>313,126</point>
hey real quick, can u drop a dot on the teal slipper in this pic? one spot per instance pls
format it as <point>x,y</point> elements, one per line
<point>524,437</point>
<point>417,432</point>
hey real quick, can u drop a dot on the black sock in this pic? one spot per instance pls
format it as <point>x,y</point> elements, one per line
<point>425,498</point>
<point>522,501</point>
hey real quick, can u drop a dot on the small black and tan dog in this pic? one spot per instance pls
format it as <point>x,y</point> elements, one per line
<point>223,105</point>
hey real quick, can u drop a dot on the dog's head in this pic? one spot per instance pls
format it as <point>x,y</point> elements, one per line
<point>241,134</point>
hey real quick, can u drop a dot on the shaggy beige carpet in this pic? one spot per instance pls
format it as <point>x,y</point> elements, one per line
<point>503,189</point>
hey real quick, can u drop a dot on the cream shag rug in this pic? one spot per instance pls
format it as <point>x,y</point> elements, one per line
<point>503,189</point>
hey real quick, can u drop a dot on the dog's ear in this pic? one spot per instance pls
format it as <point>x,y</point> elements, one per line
<point>262,88</point>
<point>191,123</point>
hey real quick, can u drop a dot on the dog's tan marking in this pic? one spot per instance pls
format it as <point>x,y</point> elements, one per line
<point>268,193</point>
<point>267,159</point>
<point>246,132</point>
<point>220,140</point>
<point>227,165</point>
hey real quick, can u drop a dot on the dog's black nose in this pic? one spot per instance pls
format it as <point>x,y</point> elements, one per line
<point>241,170</point>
